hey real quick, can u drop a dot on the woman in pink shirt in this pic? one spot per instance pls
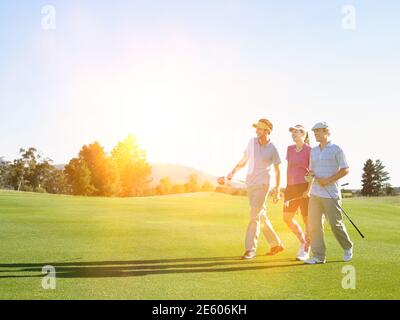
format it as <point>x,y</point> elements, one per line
<point>297,189</point>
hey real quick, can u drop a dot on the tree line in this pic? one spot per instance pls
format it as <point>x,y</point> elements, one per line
<point>123,172</point>
<point>166,186</point>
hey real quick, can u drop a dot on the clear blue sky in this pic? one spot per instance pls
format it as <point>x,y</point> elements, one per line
<point>189,77</point>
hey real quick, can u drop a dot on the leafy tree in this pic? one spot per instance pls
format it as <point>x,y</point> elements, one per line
<point>31,176</point>
<point>29,172</point>
<point>125,172</point>
<point>57,182</point>
<point>207,187</point>
<point>103,173</point>
<point>193,183</point>
<point>4,171</point>
<point>79,177</point>
<point>164,186</point>
<point>132,166</point>
<point>17,172</point>
<point>41,173</point>
<point>178,188</point>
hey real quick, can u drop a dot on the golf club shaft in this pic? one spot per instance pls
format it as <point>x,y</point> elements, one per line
<point>347,216</point>
<point>302,197</point>
<point>236,180</point>
<point>297,198</point>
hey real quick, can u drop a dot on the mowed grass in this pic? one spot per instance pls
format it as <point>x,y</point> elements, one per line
<point>182,247</point>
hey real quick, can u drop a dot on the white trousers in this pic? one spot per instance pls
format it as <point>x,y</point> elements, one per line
<point>258,219</point>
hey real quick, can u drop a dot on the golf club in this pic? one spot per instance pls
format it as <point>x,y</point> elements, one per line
<point>309,177</point>
<point>347,216</point>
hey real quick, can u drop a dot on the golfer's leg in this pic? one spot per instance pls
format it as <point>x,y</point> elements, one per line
<point>304,214</point>
<point>288,217</point>
<point>307,231</point>
<point>315,211</point>
<point>332,209</point>
<point>253,228</point>
<point>268,230</point>
<point>266,226</point>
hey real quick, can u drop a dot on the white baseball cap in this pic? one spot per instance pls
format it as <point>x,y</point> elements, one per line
<point>297,127</point>
<point>320,125</point>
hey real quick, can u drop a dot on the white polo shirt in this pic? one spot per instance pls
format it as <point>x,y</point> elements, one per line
<point>261,159</point>
<point>326,163</point>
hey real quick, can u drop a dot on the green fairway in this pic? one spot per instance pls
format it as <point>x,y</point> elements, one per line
<point>182,247</point>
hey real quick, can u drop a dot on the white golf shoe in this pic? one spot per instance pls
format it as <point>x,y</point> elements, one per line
<point>249,255</point>
<point>303,254</point>
<point>315,260</point>
<point>348,255</point>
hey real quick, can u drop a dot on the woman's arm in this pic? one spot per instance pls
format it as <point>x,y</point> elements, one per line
<point>306,194</point>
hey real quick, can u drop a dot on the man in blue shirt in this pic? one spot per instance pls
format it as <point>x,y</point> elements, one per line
<point>327,164</point>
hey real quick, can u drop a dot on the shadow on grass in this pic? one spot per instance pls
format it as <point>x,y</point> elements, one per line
<point>134,268</point>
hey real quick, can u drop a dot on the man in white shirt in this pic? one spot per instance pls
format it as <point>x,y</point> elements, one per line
<point>262,156</point>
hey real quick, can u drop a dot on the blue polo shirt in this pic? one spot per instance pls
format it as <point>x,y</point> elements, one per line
<point>326,163</point>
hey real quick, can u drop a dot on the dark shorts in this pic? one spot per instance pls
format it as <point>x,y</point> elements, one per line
<point>295,191</point>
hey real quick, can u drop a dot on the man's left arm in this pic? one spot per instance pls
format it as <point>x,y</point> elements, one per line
<point>332,179</point>
<point>343,170</point>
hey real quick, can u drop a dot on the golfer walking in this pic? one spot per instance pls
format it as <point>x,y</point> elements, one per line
<point>262,155</point>
<point>328,165</point>
<point>297,189</point>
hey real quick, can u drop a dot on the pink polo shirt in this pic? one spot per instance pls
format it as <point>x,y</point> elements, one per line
<point>298,164</point>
